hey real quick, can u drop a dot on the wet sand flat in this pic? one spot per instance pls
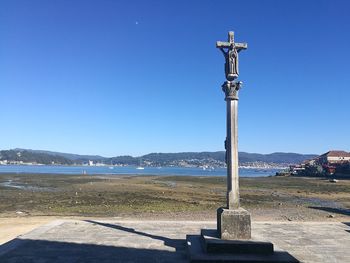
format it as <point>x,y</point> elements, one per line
<point>170,197</point>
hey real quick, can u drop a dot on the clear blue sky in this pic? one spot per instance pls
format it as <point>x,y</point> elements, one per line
<point>133,77</point>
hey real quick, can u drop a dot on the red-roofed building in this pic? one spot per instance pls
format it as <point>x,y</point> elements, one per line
<point>334,157</point>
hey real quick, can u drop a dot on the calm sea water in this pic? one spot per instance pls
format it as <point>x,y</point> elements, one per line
<point>130,170</point>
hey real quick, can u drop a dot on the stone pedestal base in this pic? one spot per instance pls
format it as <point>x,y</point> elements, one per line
<point>211,243</point>
<point>241,252</point>
<point>233,224</point>
<point>229,243</point>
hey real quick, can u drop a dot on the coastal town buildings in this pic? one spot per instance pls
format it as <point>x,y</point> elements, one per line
<point>329,163</point>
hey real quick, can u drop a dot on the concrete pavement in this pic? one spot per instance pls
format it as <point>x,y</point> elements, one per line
<point>164,241</point>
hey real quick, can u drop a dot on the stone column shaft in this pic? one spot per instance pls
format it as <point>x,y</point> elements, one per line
<point>233,222</point>
<point>232,154</point>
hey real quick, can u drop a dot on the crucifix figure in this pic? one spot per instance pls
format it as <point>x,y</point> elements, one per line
<point>231,55</point>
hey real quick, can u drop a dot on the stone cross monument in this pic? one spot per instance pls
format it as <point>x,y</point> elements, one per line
<point>233,221</point>
<point>231,241</point>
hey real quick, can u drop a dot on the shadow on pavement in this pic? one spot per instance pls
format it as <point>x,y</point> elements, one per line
<point>57,252</point>
<point>175,243</point>
<point>28,250</point>
<point>348,224</point>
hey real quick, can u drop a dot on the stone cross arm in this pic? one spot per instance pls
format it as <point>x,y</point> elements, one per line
<point>230,45</point>
<point>230,50</point>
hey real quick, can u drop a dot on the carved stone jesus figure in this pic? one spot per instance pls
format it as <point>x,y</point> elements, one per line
<point>231,56</point>
<point>231,63</point>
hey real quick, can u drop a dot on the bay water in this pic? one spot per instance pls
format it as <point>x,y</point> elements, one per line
<point>132,170</point>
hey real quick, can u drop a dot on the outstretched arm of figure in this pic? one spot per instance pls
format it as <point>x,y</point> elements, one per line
<point>223,52</point>
<point>240,46</point>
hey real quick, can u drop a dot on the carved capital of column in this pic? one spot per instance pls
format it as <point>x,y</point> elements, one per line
<point>231,89</point>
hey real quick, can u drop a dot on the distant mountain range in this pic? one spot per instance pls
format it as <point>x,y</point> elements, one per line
<point>70,156</point>
<point>153,159</point>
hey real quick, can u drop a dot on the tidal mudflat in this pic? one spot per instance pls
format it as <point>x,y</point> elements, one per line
<point>171,197</point>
